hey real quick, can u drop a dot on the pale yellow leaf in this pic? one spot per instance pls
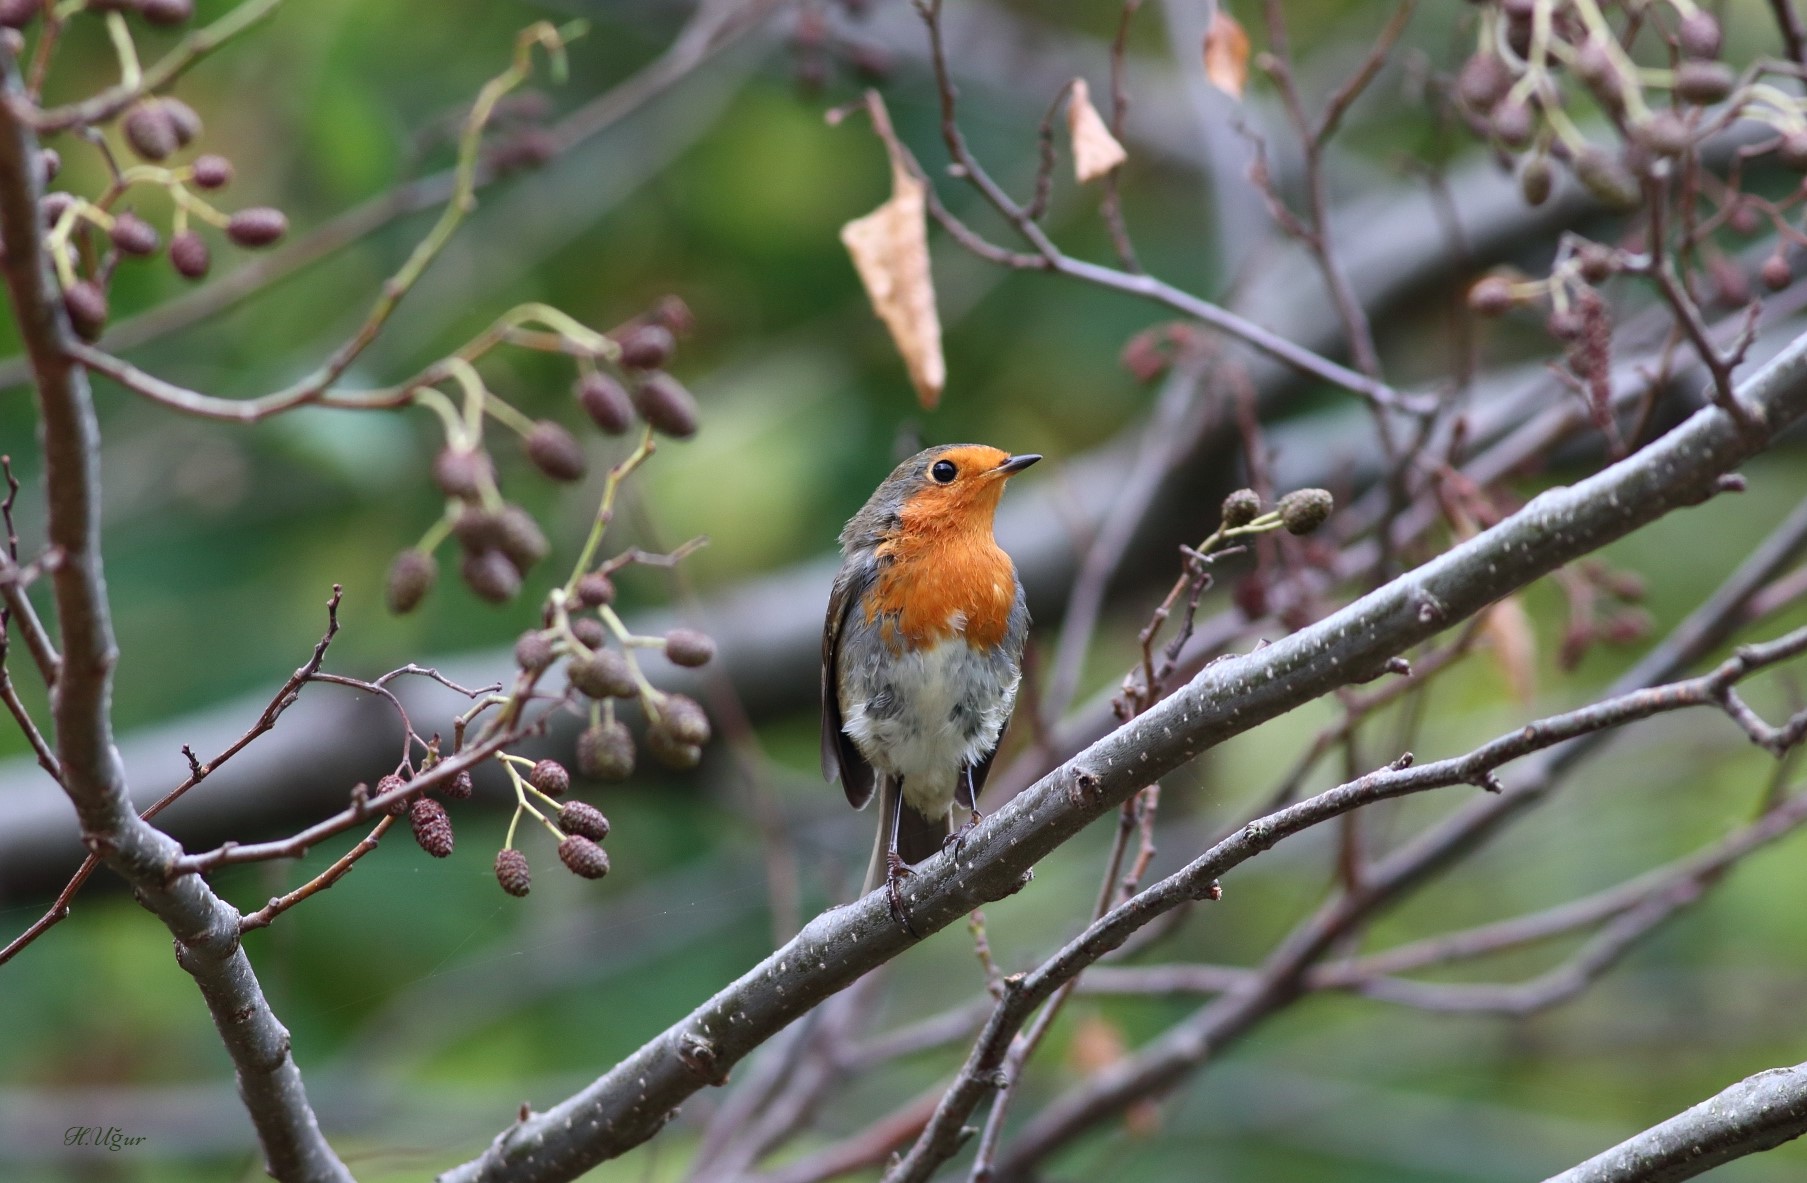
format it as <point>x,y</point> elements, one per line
<point>1514,645</point>
<point>890,250</point>
<point>1095,150</point>
<point>1226,54</point>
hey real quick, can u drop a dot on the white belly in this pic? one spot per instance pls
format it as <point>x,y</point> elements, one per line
<point>927,714</point>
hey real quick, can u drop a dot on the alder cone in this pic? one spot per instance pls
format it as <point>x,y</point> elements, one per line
<point>550,778</point>
<point>664,403</point>
<point>411,577</point>
<point>491,575</point>
<point>512,872</point>
<point>132,235</point>
<point>87,308</point>
<point>149,130</point>
<point>602,674</point>
<point>189,255</point>
<point>606,402</point>
<point>462,472</point>
<point>211,172</point>
<point>533,652</point>
<point>258,226</point>
<point>646,346</point>
<point>432,827</point>
<point>578,817</point>
<point>584,857</point>
<point>555,451</point>
<point>688,647</point>
<point>183,118</point>
<point>605,751</point>
<point>595,589</point>
<point>683,716</point>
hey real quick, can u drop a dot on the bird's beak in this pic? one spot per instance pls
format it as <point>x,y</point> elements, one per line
<point>1016,464</point>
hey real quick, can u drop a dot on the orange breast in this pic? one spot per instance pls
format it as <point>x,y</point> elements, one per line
<point>940,584</point>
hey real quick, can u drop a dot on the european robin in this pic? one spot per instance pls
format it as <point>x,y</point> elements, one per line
<point>922,652</point>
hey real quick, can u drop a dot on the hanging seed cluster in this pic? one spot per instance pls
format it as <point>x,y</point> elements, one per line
<point>620,382</point>
<point>88,238</point>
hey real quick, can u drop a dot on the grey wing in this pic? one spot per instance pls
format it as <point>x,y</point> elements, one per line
<point>840,758</point>
<point>1016,634</point>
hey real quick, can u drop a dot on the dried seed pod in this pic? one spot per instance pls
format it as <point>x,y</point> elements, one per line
<point>1702,83</point>
<point>1304,510</point>
<point>463,472</point>
<point>534,651</point>
<point>1492,296</point>
<point>1483,81</point>
<point>671,751</point>
<point>189,255</point>
<point>411,577</point>
<point>550,778</point>
<point>595,589</point>
<point>683,716</point>
<point>149,130</point>
<point>555,451</point>
<point>606,402</point>
<point>1776,273</point>
<point>589,632</point>
<point>132,235</point>
<point>602,674</point>
<point>577,817</point>
<point>689,647</point>
<point>258,226</point>
<point>646,346</point>
<point>1535,179</point>
<point>389,784</point>
<point>211,172</point>
<point>183,118</point>
<point>512,872</point>
<point>521,539</point>
<point>584,857</point>
<point>1699,35</point>
<point>665,404</point>
<point>491,575</point>
<point>166,12</point>
<point>432,828</point>
<point>1241,507</point>
<point>605,751</point>
<point>87,308</point>
<point>459,788</point>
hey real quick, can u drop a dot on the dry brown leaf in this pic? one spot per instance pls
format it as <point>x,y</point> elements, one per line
<point>1226,54</point>
<point>1097,1043</point>
<point>1514,644</point>
<point>890,249</point>
<point>1095,150</point>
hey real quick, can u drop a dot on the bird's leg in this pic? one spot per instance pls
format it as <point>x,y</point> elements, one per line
<point>896,870</point>
<point>967,794</point>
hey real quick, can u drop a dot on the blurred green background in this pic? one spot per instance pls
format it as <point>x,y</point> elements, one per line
<point>425,1005</point>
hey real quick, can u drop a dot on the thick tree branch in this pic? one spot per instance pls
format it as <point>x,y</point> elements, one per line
<point>1758,1113</point>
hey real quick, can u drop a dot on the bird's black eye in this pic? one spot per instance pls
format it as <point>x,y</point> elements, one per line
<point>944,471</point>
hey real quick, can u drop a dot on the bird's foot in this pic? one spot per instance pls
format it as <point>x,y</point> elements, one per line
<point>957,839</point>
<point>896,871</point>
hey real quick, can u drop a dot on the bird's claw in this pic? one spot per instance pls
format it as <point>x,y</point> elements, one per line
<point>957,839</point>
<point>896,871</point>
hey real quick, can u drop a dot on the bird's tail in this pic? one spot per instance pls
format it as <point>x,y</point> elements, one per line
<point>917,836</point>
